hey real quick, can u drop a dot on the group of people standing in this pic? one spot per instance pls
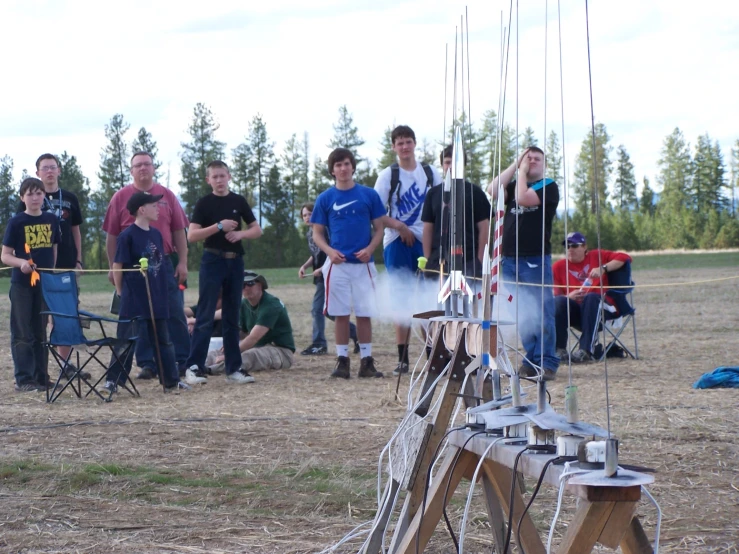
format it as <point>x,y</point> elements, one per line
<point>346,223</point>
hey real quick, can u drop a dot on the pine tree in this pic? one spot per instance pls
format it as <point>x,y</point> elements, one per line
<point>590,184</point>
<point>624,187</point>
<point>278,210</point>
<point>707,185</point>
<point>346,135</point>
<point>73,180</point>
<point>388,156</point>
<point>145,143</point>
<point>497,156</point>
<point>734,183</point>
<point>528,138</point>
<point>646,203</point>
<point>255,159</point>
<point>202,149</point>
<point>475,168</point>
<point>320,179</point>
<point>554,158</point>
<point>295,164</point>
<point>675,174</point>
<point>8,192</point>
<point>426,154</point>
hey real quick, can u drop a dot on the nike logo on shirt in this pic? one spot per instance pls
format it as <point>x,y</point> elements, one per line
<point>338,207</point>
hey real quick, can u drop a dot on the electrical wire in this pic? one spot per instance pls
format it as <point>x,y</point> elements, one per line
<point>511,501</point>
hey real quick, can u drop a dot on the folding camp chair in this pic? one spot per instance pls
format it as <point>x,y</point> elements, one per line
<point>61,297</point>
<point>621,296</point>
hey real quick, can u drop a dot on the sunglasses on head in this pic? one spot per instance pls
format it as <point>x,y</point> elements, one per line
<point>250,283</point>
<point>574,245</point>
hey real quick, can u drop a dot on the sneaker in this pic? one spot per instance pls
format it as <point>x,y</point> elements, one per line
<point>342,368</point>
<point>579,356</point>
<point>178,387</point>
<point>356,346</point>
<point>242,377</point>
<point>402,368</point>
<point>146,374</point>
<point>367,368</point>
<point>110,387</point>
<point>193,376</point>
<point>562,354</point>
<point>70,371</point>
<point>314,350</point>
<point>29,387</point>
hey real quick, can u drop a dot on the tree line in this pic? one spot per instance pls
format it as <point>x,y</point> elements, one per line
<point>692,206</point>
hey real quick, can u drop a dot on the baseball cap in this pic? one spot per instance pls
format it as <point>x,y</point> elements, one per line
<point>141,199</point>
<point>575,238</point>
<point>252,277</point>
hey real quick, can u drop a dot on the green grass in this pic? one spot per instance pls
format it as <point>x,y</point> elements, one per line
<point>276,277</point>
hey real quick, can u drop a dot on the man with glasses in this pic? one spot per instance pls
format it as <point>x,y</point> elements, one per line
<point>65,206</point>
<point>579,277</point>
<point>172,223</point>
<point>531,204</point>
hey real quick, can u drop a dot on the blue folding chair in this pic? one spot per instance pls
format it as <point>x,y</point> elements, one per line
<point>61,297</point>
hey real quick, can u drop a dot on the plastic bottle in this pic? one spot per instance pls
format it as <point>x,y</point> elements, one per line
<point>586,284</point>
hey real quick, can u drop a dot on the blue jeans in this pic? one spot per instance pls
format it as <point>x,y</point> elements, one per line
<point>535,302</point>
<point>27,335</point>
<point>126,330</point>
<point>584,315</point>
<point>177,326</point>
<point>319,320</point>
<point>216,274</point>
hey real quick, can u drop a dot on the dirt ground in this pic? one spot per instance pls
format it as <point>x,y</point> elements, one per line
<point>289,464</point>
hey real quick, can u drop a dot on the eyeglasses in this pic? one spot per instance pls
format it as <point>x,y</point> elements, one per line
<point>574,245</point>
<point>250,284</point>
<point>48,168</point>
<point>142,164</point>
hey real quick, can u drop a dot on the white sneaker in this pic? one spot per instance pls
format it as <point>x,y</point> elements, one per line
<point>192,377</point>
<point>241,377</point>
<point>180,386</point>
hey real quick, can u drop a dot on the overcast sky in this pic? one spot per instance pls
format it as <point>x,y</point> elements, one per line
<point>68,66</point>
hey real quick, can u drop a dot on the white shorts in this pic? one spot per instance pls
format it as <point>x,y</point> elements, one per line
<point>347,286</point>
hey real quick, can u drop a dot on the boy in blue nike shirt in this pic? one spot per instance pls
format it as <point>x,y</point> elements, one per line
<point>349,211</point>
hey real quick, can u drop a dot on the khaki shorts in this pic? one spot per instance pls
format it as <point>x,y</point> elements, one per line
<point>255,359</point>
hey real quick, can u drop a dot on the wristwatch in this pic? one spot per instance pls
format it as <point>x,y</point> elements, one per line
<point>220,226</point>
<point>604,267</point>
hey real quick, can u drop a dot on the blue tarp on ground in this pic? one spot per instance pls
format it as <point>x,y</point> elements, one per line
<point>727,377</point>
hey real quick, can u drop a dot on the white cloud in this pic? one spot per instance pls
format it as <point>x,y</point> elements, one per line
<point>74,64</point>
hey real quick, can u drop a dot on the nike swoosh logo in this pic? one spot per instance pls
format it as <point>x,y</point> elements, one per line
<point>338,207</point>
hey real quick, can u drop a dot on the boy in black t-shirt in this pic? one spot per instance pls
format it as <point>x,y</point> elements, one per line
<point>138,241</point>
<point>65,206</point>
<point>39,231</point>
<point>216,219</point>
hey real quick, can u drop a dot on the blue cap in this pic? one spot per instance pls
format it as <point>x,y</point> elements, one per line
<point>575,238</point>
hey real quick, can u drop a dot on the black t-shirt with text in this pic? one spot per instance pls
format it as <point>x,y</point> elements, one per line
<point>211,209</point>
<point>530,221</point>
<point>477,209</point>
<point>40,233</point>
<point>66,207</point>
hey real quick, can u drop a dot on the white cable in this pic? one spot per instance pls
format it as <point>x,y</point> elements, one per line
<point>659,519</point>
<point>566,474</point>
<point>472,488</point>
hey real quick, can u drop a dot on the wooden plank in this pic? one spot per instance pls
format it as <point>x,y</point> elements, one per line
<point>500,479</point>
<point>635,540</point>
<point>587,525</point>
<point>495,514</point>
<point>617,524</point>
<point>451,472</point>
<point>374,545</point>
<point>607,494</point>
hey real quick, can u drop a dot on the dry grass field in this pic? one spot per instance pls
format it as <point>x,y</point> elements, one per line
<point>289,463</point>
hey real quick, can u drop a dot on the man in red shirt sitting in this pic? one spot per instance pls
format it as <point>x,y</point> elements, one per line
<point>579,278</point>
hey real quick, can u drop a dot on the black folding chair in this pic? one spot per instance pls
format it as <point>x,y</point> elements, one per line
<point>61,297</point>
<point>618,320</point>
